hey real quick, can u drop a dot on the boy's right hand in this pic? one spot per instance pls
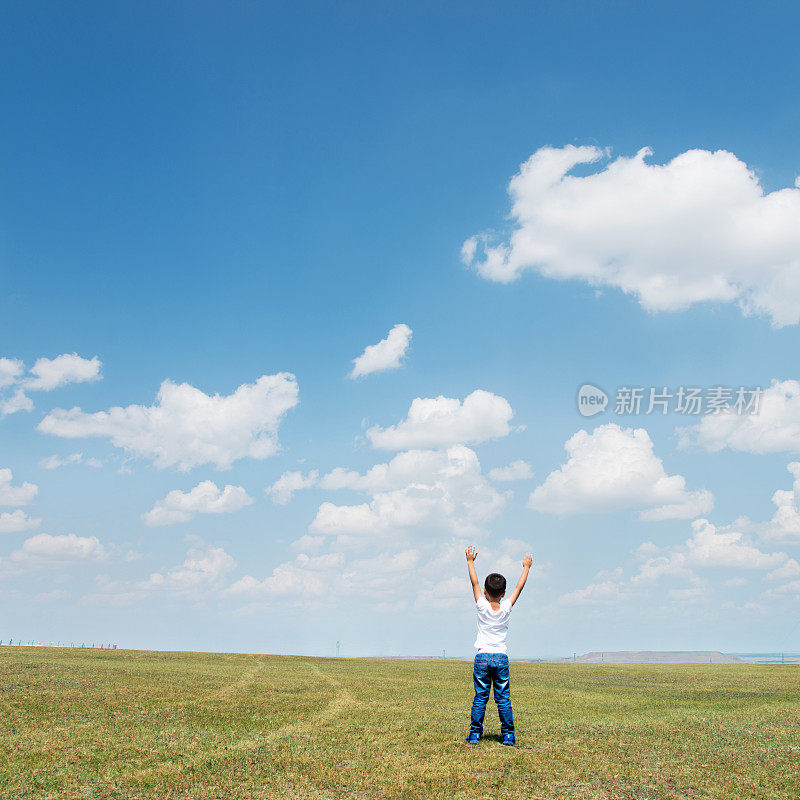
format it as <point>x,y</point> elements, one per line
<point>471,553</point>
<point>528,560</point>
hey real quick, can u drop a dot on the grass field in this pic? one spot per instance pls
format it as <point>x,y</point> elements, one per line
<point>135,724</point>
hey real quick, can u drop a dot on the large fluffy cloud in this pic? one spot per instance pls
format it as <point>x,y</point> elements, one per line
<point>205,498</point>
<point>614,468</point>
<point>698,228</point>
<point>186,427</point>
<point>444,491</point>
<point>774,429</point>
<point>442,421</point>
<point>386,354</point>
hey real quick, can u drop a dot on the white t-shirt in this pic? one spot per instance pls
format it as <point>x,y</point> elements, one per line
<point>492,626</point>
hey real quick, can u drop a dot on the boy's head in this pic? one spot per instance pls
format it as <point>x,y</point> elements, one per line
<point>494,585</point>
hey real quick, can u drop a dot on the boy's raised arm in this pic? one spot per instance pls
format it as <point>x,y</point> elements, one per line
<point>526,568</point>
<point>472,554</point>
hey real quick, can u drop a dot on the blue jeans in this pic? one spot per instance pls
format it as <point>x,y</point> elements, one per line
<point>491,670</point>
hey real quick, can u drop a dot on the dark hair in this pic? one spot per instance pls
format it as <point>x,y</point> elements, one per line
<point>495,584</point>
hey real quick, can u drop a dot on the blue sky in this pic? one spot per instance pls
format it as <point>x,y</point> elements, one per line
<point>213,195</point>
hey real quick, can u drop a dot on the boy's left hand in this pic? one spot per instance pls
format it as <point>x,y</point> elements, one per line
<point>471,553</point>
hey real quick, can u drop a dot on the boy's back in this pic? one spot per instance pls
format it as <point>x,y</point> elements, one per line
<point>492,626</point>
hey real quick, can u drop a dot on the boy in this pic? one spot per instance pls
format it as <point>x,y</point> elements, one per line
<point>491,661</point>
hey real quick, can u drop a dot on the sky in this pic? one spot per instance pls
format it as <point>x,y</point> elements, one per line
<point>297,301</point>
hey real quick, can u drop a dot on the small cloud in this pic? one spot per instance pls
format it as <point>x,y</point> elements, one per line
<point>52,596</point>
<point>385,355</point>
<point>205,498</point>
<point>52,373</point>
<point>17,521</point>
<point>444,421</point>
<point>21,495</point>
<point>203,569</point>
<point>18,401</point>
<point>10,371</point>
<point>284,488</point>
<point>516,471</point>
<point>44,551</point>
<point>45,375</point>
<point>56,461</point>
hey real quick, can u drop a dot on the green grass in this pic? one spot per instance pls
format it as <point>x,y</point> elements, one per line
<point>128,724</point>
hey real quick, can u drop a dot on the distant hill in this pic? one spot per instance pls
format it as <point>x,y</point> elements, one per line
<point>658,657</point>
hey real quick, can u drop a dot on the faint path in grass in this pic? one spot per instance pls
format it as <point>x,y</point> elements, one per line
<point>341,700</point>
<point>228,690</point>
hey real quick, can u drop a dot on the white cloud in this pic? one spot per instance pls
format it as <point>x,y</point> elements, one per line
<point>442,421</point>
<point>53,596</point>
<point>56,461</point>
<point>20,495</point>
<point>205,498</point>
<point>10,371</point>
<point>382,578</point>
<point>697,229</point>
<point>284,488</point>
<point>690,594</point>
<point>735,582</point>
<point>442,490</point>
<point>614,468</point>
<point>46,374</point>
<point>52,373</point>
<point>606,592</point>
<point>788,570</point>
<point>516,471</point>
<point>386,354</point>
<point>186,427</point>
<point>785,523</point>
<point>308,543</point>
<point>774,429</point>
<point>18,401</point>
<point>63,548</point>
<point>309,576</point>
<point>46,551</point>
<point>17,521</point>
<point>709,548</point>
<point>203,569</point>
<point>429,574</point>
